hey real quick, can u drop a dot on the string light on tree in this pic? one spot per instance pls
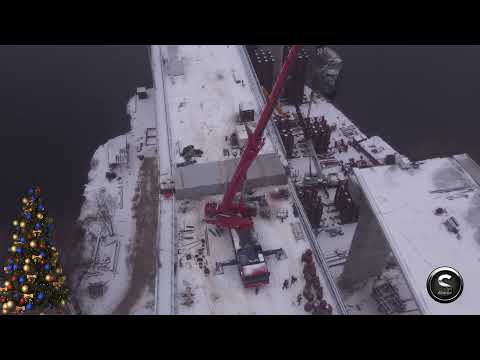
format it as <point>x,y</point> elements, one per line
<point>34,280</point>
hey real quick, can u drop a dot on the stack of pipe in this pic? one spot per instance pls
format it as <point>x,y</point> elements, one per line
<point>295,85</point>
<point>284,126</point>
<point>288,141</point>
<point>321,135</point>
<point>313,206</point>
<point>264,63</point>
<point>313,291</point>
<point>345,205</point>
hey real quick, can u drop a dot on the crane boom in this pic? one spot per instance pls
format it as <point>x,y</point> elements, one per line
<point>255,140</point>
<point>228,214</point>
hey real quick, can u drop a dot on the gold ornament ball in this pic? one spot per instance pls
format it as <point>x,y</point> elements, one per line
<point>14,236</point>
<point>49,277</point>
<point>5,306</point>
<point>10,304</point>
<point>54,248</point>
<point>24,288</point>
<point>59,270</point>
<point>13,248</point>
<point>62,302</point>
<point>22,224</point>
<point>24,200</point>
<point>33,244</point>
<point>27,261</point>
<point>15,222</point>
<point>26,268</point>
<point>40,215</point>
<point>7,283</point>
<point>5,311</point>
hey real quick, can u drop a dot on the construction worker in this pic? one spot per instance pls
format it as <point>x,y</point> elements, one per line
<point>293,280</point>
<point>285,284</point>
<point>299,299</point>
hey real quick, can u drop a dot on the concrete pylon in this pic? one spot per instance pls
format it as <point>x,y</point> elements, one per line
<point>369,250</point>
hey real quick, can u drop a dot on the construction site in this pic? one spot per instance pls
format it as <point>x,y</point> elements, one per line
<point>269,200</point>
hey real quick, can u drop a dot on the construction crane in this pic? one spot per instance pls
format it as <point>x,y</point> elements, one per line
<point>236,217</point>
<point>228,214</point>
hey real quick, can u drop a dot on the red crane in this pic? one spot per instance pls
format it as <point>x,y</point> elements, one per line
<point>228,214</point>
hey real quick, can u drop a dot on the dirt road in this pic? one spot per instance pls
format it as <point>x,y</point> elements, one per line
<point>142,261</point>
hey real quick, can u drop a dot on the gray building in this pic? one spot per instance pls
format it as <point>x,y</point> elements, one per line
<point>211,178</point>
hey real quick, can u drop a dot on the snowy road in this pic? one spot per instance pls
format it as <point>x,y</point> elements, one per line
<point>165,248</point>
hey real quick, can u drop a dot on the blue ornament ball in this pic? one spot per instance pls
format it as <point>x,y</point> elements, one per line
<point>21,279</point>
<point>19,250</point>
<point>9,267</point>
<point>29,306</point>
<point>38,226</point>
<point>14,267</point>
<point>22,240</point>
<point>40,296</point>
<point>47,266</point>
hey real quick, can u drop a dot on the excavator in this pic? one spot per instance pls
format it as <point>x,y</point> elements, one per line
<point>236,216</point>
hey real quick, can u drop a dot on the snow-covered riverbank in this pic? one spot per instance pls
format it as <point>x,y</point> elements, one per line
<point>109,215</point>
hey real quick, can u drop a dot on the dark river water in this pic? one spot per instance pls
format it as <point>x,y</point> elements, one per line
<point>423,100</point>
<point>57,105</point>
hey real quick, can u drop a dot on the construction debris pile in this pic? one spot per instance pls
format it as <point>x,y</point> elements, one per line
<point>262,205</point>
<point>344,203</point>
<point>313,291</point>
<point>188,297</point>
<point>191,250</point>
<point>188,153</point>
<point>326,69</point>
<point>387,297</point>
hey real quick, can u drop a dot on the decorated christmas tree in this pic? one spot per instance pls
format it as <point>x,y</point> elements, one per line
<point>33,275</point>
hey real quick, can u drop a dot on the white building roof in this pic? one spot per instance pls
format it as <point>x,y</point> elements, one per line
<point>203,104</point>
<point>404,204</point>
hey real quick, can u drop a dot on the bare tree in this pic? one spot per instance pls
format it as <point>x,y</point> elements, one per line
<point>106,206</point>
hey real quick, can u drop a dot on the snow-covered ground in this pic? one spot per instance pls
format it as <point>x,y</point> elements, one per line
<point>204,102</point>
<point>224,293</point>
<point>109,257</point>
